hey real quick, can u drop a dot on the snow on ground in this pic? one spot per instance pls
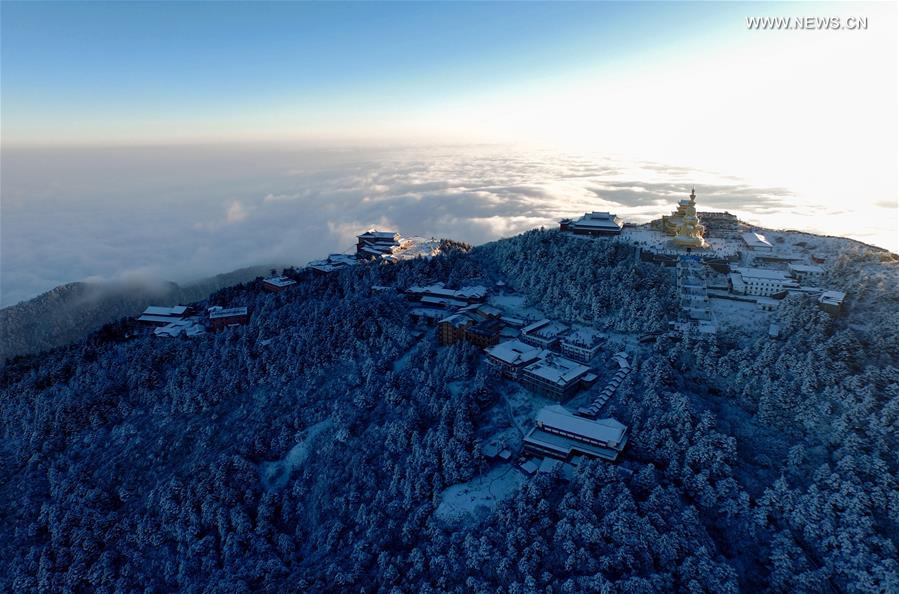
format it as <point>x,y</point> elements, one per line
<point>658,242</point>
<point>740,314</point>
<point>514,306</point>
<point>480,495</point>
<point>508,301</point>
<point>419,247</point>
<point>275,474</point>
<point>523,405</point>
<point>507,438</point>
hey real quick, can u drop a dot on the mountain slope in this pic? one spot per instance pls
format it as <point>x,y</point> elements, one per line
<point>69,312</point>
<point>756,465</point>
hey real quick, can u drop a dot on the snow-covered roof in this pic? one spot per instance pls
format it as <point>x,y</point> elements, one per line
<point>557,370</point>
<point>583,337</point>
<point>472,292</point>
<point>736,281</point>
<point>457,320</point>
<point>761,273</point>
<point>530,466</point>
<point>599,220</point>
<point>333,262</point>
<point>279,281</point>
<point>806,269</point>
<point>174,310</point>
<point>604,430</point>
<point>373,234</point>
<point>515,352</point>
<point>545,329</point>
<point>489,310</point>
<point>152,319</point>
<point>188,326</point>
<point>444,301</point>
<point>483,309</point>
<point>440,290</point>
<point>416,289</point>
<point>832,297</point>
<point>228,313</point>
<point>753,239</point>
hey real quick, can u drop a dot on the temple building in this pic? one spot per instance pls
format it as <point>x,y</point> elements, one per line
<point>156,315</point>
<point>593,223</point>
<point>375,244</point>
<point>561,435</point>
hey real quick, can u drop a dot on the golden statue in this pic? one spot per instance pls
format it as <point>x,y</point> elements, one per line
<point>688,232</point>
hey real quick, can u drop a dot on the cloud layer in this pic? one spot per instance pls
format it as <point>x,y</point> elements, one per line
<point>181,213</point>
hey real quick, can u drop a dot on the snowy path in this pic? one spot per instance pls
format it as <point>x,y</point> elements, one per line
<point>275,474</point>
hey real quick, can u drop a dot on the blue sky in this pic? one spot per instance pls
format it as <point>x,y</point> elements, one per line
<point>93,71</point>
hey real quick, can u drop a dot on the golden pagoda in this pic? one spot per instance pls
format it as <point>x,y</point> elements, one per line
<point>688,231</point>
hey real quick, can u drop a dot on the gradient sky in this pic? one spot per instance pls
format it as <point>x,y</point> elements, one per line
<point>130,72</point>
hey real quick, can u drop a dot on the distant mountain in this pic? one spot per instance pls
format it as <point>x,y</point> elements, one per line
<point>71,311</point>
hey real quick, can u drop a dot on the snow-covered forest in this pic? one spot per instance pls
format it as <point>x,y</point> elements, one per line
<point>307,450</point>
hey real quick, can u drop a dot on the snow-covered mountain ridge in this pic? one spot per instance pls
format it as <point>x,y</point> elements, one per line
<point>317,447</point>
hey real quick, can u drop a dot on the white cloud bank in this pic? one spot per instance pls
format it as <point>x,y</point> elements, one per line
<point>191,211</point>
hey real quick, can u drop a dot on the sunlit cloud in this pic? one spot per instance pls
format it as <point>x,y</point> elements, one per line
<point>267,216</point>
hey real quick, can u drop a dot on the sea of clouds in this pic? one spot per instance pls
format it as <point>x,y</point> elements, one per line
<point>180,213</point>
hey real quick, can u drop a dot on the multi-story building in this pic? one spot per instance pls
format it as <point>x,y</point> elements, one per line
<point>451,329</point>
<point>220,318</point>
<point>806,273</point>
<point>510,357</point>
<point>831,301</point>
<point>559,434</point>
<point>375,244</point>
<point>759,281</point>
<point>484,333</point>
<point>276,284</point>
<point>582,344</point>
<point>544,334</point>
<point>554,376</point>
